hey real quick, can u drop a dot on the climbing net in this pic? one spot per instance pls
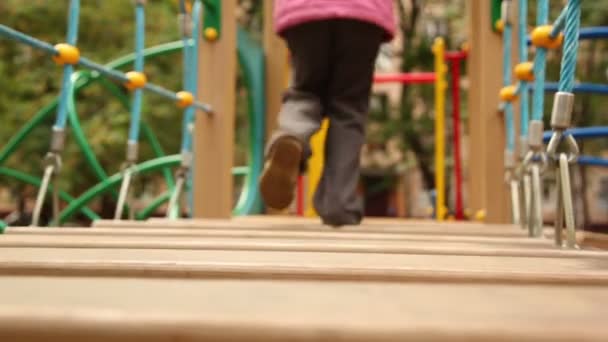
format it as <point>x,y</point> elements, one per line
<point>68,56</point>
<point>524,171</point>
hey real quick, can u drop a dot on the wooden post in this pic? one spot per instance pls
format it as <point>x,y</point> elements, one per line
<point>487,189</point>
<point>276,68</point>
<point>214,135</point>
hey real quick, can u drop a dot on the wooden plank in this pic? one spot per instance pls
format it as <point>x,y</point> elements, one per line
<point>276,234</point>
<point>405,228</point>
<point>102,309</point>
<point>214,135</point>
<point>300,265</point>
<point>295,245</point>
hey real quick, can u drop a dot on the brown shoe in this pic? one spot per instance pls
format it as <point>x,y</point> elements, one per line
<point>280,175</point>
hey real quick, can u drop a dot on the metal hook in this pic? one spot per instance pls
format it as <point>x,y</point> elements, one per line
<point>535,217</point>
<point>568,207</point>
<point>123,194</point>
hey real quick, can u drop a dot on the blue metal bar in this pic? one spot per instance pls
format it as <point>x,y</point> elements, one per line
<point>592,161</point>
<point>27,40</point>
<point>580,88</point>
<point>587,33</point>
<point>582,133</point>
<point>136,103</point>
<point>68,69</point>
<point>192,75</point>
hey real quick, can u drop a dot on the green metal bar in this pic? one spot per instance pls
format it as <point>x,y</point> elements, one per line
<point>111,182</point>
<point>152,206</point>
<point>158,152</point>
<point>2,226</point>
<point>29,179</point>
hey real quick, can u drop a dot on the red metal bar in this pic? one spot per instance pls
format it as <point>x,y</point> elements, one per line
<point>455,71</point>
<point>300,197</point>
<point>455,55</point>
<point>405,78</point>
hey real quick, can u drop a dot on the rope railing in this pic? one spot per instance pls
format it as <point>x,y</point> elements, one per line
<point>535,158</point>
<point>68,56</point>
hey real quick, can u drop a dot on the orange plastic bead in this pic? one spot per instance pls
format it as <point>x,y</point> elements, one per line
<point>525,71</point>
<point>66,54</point>
<point>541,37</point>
<point>137,80</point>
<point>211,34</point>
<point>499,25</point>
<point>508,93</point>
<point>184,99</point>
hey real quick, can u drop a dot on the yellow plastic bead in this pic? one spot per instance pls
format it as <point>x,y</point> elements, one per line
<point>525,71</point>
<point>499,25</point>
<point>184,99</point>
<point>211,34</point>
<point>465,47</point>
<point>508,93</point>
<point>66,54</point>
<point>136,80</point>
<point>480,215</point>
<point>541,37</point>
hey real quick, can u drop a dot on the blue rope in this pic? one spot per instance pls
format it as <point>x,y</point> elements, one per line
<point>68,69</point>
<point>140,24</point>
<point>540,61</point>
<point>568,67</point>
<point>558,25</point>
<point>523,57</point>
<point>27,40</point>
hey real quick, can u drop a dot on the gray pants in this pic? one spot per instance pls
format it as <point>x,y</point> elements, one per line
<point>333,63</point>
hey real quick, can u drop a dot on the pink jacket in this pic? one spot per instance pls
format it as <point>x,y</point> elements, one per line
<point>289,13</point>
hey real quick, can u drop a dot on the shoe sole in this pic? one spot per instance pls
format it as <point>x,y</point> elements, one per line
<point>278,181</point>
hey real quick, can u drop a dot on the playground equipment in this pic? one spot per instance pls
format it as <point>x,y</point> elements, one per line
<point>251,58</point>
<point>234,280</point>
<point>524,173</point>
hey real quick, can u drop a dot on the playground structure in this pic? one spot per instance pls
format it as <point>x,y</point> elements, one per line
<point>273,278</point>
<point>201,35</point>
<point>251,58</point>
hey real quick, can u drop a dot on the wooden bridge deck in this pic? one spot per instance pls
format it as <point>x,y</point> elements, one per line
<point>279,279</point>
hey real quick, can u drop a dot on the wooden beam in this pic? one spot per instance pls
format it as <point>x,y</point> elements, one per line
<point>487,189</point>
<point>214,135</point>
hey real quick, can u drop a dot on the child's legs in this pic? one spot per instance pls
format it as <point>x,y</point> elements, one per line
<point>301,113</point>
<point>353,55</point>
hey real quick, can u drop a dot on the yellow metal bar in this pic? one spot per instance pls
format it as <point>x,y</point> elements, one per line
<point>315,166</point>
<point>440,87</point>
